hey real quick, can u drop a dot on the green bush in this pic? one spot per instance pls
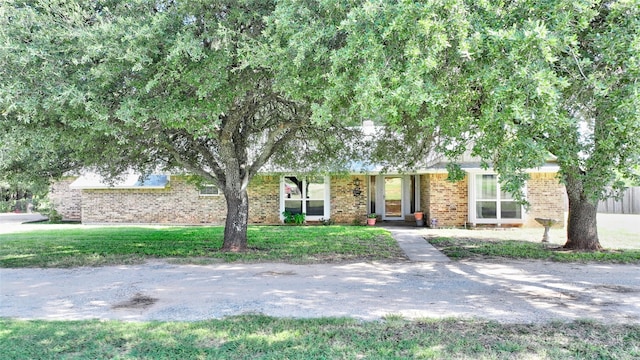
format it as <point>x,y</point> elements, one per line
<point>297,219</point>
<point>5,206</point>
<point>54,216</point>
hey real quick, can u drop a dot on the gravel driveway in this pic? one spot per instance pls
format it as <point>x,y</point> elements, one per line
<point>506,291</point>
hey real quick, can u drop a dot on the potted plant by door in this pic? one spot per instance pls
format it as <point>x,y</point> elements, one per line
<point>419,218</point>
<point>371,219</point>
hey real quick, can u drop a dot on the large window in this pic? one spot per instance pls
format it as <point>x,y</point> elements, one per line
<point>491,204</point>
<point>306,195</point>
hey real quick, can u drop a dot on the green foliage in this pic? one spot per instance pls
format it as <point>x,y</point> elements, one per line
<point>21,196</point>
<point>256,336</point>
<point>112,245</point>
<point>144,84</point>
<point>296,219</point>
<point>299,219</point>
<point>54,216</point>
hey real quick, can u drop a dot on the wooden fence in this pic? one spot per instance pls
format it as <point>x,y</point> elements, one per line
<point>629,203</point>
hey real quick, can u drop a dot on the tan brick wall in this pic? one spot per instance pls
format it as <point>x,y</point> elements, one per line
<point>444,200</point>
<point>448,202</point>
<point>179,203</point>
<point>425,196</point>
<point>264,200</point>
<point>546,195</point>
<point>345,208</point>
<point>65,201</point>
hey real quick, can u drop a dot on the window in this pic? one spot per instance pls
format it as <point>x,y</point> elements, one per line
<point>209,190</point>
<point>491,205</point>
<point>306,195</point>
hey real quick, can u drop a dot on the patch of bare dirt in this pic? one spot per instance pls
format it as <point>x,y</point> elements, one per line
<point>138,301</point>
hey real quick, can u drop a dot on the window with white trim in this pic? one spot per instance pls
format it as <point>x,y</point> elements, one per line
<point>490,203</point>
<point>306,195</point>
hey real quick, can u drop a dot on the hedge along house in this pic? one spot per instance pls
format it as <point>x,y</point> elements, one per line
<point>477,200</point>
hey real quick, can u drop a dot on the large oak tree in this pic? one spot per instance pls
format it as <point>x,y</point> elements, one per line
<point>114,85</point>
<point>515,82</point>
<point>561,77</point>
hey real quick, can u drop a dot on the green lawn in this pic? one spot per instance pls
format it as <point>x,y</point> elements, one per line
<point>126,245</point>
<point>260,337</point>
<point>465,247</point>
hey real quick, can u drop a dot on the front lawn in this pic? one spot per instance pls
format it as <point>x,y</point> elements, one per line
<point>127,245</point>
<point>470,248</point>
<point>261,337</point>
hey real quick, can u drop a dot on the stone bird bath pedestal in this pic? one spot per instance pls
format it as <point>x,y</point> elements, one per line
<point>547,223</point>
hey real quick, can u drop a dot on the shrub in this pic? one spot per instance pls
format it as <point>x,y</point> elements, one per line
<point>54,216</point>
<point>297,219</point>
<point>5,206</point>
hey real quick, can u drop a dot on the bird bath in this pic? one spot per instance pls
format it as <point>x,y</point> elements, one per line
<point>547,223</point>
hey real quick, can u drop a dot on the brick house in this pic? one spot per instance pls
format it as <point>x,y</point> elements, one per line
<point>172,199</point>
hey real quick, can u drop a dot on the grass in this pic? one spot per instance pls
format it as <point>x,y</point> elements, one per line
<point>464,248</point>
<point>72,247</point>
<point>619,234</point>
<point>615,231</point>
<point>261,337</point>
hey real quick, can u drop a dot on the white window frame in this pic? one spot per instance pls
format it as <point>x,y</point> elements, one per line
<point>473,216</point>
<point>208,186</point>
<point>326,199</point>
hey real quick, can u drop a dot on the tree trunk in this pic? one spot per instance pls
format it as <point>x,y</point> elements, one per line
<point>582,229</point>
<point>235,230</point>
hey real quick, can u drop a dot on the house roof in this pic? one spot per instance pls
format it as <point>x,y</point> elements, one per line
<point>129,180</point>
<point>474,166</point>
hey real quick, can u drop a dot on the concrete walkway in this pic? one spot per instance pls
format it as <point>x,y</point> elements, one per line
<point>415,246</point>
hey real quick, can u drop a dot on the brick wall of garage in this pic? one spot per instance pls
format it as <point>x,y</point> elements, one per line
<point>66,201</point>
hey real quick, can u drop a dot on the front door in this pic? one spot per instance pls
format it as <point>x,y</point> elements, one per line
<point>392,198</point>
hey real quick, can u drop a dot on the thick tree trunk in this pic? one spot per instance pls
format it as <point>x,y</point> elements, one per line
<point>235,230</point>
<point>582,229</point>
